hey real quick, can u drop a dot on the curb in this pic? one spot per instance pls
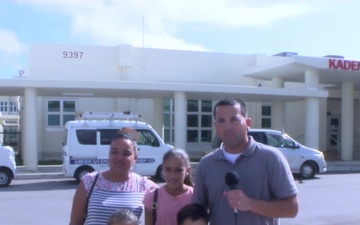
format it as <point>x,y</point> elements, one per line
<point>34,176</point>
<point>55,171</point>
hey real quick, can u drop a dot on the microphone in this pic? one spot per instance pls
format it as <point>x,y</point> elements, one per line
<point>231,180</point>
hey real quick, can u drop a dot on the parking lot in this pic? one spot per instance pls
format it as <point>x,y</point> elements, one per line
<point>328,199</point>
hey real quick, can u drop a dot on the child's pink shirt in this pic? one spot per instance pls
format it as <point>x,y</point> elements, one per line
<point>167,205</point>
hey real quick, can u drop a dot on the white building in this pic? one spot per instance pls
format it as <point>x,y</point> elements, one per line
<point>9,121</point>
<point>314,99</point>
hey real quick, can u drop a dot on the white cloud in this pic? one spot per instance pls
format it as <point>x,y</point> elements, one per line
<point>10,50</point>
<point>121,21</point>
<point>10,44</point>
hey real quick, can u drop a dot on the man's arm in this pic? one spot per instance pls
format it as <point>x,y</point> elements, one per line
<point>200,191</point>
<point>282,208</point>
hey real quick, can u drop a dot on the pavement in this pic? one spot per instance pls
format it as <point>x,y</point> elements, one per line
<point>55,171</point>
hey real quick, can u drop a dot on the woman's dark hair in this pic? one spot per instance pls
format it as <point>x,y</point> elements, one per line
<point>128,134</point>
<point>192,211</point>
<point>123,215</point>
<point>184,157</point>
<point>232,102</point>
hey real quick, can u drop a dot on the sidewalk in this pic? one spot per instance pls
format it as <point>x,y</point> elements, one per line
<point>55,171</point>
<point>43,172</point>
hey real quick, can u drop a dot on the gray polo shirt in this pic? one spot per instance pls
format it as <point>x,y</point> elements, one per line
<point>263,174</point>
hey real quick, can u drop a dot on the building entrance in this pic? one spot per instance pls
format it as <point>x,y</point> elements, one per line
<point>333,134</point>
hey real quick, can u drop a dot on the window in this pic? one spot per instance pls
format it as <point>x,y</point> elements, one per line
<point>13,107</point>
<point>266,116</point>
<point>4,106</point>
<point>280,141</point>
<point>199,121</point>
<point>60,111</point>
<point>86,137</point>
<point>168,105</point>
<point>146,137</point>
<point>8,107</point>
<point>106,136</point>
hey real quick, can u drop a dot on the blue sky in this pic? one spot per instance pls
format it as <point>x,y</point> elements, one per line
<point>308,27</point>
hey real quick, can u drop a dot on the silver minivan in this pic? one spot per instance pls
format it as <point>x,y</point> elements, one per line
<point>7,165</point>
<point>302,160</point>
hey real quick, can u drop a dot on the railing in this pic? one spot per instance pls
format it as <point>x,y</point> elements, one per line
<point>12,139</point>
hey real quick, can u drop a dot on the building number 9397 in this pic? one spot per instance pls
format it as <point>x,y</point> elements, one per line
<point>72,55</point>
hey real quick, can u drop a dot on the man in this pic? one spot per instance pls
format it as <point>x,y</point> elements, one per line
<point>266,190</point>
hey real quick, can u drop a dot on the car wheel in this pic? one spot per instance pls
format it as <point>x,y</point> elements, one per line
<point>5,177</point>
<point>81,171</point>
<point>308,170</point>
<point>159,176</point>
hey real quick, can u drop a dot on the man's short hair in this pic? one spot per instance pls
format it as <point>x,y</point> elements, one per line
<point>232,102</point>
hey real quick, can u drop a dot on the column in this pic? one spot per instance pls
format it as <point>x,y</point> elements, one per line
<point>180,121</point>
<point>277,116</point>
<point>347,120</point>
<point>312,79</point>
<point>29,130</point>
<point>158,122</point>
<point>312,121</point>
<point>277,108</point>
<point>312,133</point>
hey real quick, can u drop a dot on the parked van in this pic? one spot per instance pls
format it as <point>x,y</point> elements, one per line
<point>87,142</point>
<point>7,165</point>
<point>302,160</point>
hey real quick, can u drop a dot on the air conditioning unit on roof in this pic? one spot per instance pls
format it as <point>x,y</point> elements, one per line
<point>334,56</point>
<point>286,54</point>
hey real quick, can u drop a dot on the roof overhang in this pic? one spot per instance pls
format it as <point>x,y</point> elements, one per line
<point>130,89</point>
<point>293,69</point>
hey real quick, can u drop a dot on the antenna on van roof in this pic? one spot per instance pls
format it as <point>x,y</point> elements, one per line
<point>125,115</point>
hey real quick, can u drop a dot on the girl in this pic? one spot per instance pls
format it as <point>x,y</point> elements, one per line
<point>161,207</point>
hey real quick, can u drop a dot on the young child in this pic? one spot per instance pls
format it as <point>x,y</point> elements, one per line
<point>192,214</point>
<point>123,217</point>
<point>172,196</point>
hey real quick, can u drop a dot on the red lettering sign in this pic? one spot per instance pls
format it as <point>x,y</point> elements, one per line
<point>339,64</point>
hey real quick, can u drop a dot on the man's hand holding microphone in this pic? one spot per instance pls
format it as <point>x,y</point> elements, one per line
<point>236,198</point>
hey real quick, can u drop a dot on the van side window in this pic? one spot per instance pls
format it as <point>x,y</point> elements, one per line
<point>106,135</point>
<point>86,137</point>
<point>146,137</point>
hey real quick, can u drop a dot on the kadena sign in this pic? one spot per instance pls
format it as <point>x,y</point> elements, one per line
<point>339,64</point>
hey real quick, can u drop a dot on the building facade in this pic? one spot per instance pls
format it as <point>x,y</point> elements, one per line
<point>313,99</point>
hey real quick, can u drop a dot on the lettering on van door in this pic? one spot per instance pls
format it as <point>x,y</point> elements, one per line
<point>145,160</point>
<point>89,161</point>
<point>105,161</point>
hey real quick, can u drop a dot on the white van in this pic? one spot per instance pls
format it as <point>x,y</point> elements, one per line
<point>302,160</point>
<point>87,142</point>
<point>7,165</point>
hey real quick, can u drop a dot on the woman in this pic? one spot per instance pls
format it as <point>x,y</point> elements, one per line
<point>115,188</point>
